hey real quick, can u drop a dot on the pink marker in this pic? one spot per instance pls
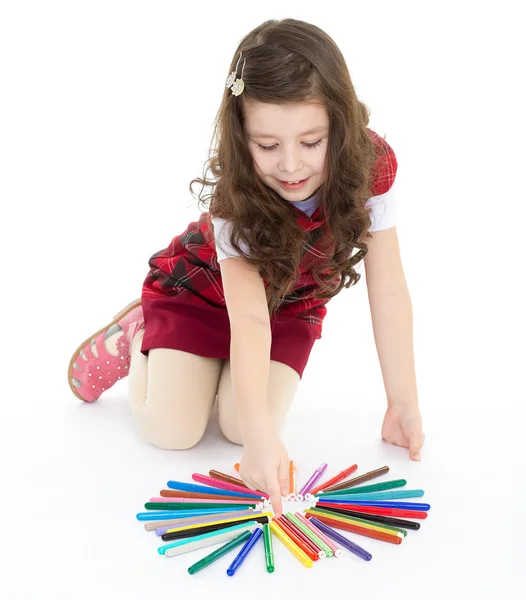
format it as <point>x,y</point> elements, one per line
<point>199,501</point>
<point>336,551</point>
<point>223,485</point>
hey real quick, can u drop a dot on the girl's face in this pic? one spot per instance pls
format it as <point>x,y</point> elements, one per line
<point>288,143</point>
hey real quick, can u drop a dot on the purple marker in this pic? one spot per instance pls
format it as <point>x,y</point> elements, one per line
<point>310,483</point>
<point>329,532</point>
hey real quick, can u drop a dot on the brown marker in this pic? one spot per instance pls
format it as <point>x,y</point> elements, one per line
<point>352,482</point>
<point>229,479</point>
<point>178,494</point>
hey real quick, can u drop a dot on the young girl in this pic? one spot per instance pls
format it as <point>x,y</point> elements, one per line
<point>303,191</point>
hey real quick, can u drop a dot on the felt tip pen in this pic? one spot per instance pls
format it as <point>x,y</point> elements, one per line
<point>343,541</point>
<point>193,487</point>
<point>311,481</point>
<point>359,479</point>
<point>336,479</point>
<point>269,553</point>
<point>249,544</point>
<point>213,556</point>
<point>365,489</point>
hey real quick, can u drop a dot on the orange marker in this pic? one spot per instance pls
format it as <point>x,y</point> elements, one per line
<point>236,467</point>
<point>292,481</point>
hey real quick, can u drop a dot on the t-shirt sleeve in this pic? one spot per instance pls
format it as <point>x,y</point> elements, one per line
<point>383,210</point>
<point>222,231</point>
<point>383,201</point>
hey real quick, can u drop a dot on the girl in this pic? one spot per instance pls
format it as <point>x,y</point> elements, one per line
<point>303,191</point>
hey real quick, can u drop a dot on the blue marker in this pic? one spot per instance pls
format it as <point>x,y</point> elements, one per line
<point>249,544</point>
<point>192,487</point>
<point>395,495</point>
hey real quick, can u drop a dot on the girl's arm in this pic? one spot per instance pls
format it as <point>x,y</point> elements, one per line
<point>265,462</point>
<point>392,320</point>
<point>250,339</point>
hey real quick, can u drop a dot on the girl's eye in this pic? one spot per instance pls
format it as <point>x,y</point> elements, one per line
<point>313,145</point>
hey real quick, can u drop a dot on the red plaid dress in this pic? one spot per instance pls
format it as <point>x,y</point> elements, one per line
<point>184,303</point>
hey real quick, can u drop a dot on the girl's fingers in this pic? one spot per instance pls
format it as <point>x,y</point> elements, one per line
<point>416,440</point>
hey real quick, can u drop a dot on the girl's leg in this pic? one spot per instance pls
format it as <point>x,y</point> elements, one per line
<point>282,386</point>
<point>172,394</point>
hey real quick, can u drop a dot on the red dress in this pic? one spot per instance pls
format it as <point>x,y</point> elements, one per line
<point>183,299</point>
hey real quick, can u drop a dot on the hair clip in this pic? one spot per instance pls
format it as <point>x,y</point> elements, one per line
<point>237,85</point>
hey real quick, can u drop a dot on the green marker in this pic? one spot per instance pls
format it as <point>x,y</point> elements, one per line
<point>194,505</point>
<point>225,549</point>
<point>310,534</point>
<point>365,489</point>
<point>269,554</point>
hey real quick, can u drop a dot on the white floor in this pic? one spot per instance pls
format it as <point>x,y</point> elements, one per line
<point>77,474</point>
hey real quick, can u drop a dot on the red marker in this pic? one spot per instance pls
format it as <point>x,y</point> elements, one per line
<point>377,510</point>
<point>336,479</point>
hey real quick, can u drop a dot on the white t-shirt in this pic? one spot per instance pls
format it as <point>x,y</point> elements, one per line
<point>383,216</point>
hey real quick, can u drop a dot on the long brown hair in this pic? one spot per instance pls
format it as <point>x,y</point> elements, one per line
<point>291,61</point>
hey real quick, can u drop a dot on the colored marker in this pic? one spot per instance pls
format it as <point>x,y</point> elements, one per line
<point>213,535</point>
<point>311,481</point>
<point>310,534</point>
<point>361,522</point>
<point>343,541</point>
<point>377,535</point>
<point>288,525</point>
<point>249,544</point>
<point>228,479</point>
<point>215,521</point>
<point>206,520</point>
<point>335,550</point>
<point>202,496</point>
<point>191,544</point>
<point>378,510</point>
<point>396,495</point>
<point>336,479</point>
<point>224,485</point>
<point>289,544</point>
<point>192,487</point>
<point>365,489</point>
<point>213,556</point>
<point>269,554</point>
<point>186,506</point>
<point>159,515</point>
<point>196,531</point>
<point>236,467</point>
<point>261,518</point>
<point>297,540</point>
<point>292,481</point>
<point>357,480</point>
<point>192,501</point>
<point>376,518</point>
<point>382,504</point>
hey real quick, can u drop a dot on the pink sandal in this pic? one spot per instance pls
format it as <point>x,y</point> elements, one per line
<point>89,376</point>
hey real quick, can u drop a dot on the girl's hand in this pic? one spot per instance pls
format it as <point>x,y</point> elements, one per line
<point>265,465</point>
<point>402,426</point>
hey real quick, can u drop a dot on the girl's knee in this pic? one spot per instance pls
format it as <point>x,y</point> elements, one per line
<point>230,429</point>
<point>173,438</point>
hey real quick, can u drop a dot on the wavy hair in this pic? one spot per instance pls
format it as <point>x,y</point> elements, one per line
<point>291,61</point>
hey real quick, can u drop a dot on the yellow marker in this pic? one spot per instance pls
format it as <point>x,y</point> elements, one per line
<point>250,517</point>
<point>284,539</point>
<point>376,527</point>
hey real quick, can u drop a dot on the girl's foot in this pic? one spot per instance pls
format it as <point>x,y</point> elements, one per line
<point>104,358</point>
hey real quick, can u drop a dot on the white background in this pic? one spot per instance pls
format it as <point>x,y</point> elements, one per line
<point>106,115</point>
